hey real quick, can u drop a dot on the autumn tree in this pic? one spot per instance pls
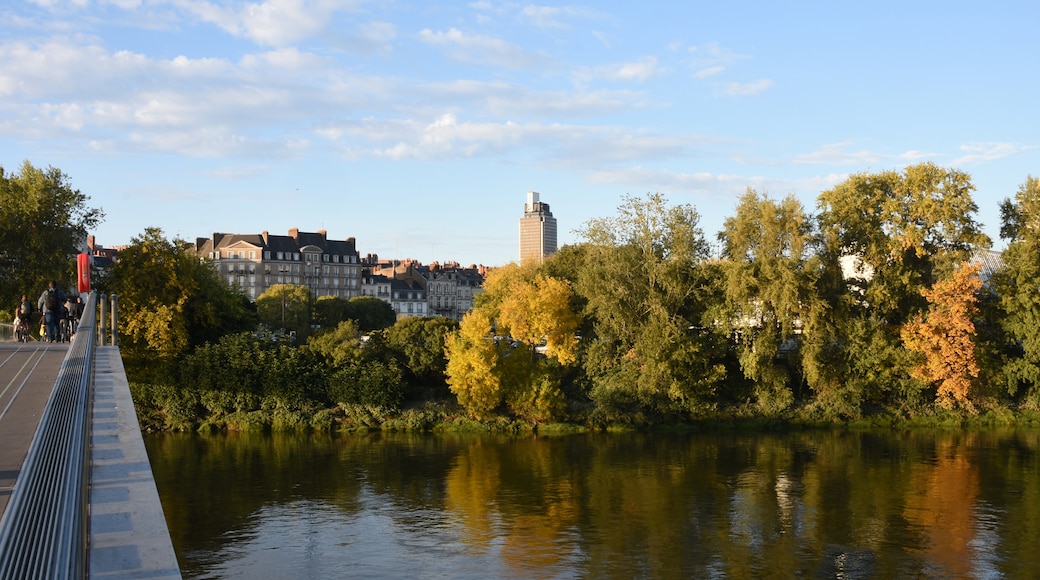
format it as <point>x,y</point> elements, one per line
<point>43,225</point>
<point>944,336</point>
<point>473,364</point>
<point>535,330</point>
<point>766,247</point>
<point>648,287</point>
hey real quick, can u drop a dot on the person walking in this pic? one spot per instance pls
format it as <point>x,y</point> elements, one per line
<point>52,303</point>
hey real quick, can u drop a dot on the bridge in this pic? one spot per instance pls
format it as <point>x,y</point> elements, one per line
<point>76,489</point>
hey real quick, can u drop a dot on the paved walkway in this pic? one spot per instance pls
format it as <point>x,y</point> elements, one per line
<point>27,375</point>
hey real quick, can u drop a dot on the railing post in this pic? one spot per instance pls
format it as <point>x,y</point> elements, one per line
<point>115,320</point>
<point>102,331</point>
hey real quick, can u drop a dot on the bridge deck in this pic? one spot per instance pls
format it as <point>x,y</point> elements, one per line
<point>27,375</point>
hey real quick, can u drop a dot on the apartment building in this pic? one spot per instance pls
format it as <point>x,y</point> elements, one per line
<point>257,261</point>
<point>446,289</point>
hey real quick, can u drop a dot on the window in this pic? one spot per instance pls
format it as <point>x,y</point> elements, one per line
<point>325,258</point>
<point>252,255</point>
<point>281,255</point>
<point>267,255</point>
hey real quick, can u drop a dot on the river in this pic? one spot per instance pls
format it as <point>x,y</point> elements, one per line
<point>808,504</point>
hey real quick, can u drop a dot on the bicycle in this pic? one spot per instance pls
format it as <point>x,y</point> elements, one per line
<point>22,331</point>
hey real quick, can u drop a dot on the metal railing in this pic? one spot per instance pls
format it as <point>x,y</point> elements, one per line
<point>43,533</point>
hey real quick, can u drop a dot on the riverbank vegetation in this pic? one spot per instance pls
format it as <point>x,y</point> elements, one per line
<point>877,308</point>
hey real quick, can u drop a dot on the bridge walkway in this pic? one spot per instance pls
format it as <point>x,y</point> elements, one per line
<point>127,532</point>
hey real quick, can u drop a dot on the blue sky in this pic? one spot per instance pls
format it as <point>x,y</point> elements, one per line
<point>418,127</point>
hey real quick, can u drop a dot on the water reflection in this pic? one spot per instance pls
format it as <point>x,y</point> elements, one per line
<point>816,505</point>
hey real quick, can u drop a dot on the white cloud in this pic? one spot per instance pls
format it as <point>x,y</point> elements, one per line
<point>636,71</point>
<point>837,154</point>
<point>482,49</point>
<point>712,59</point>
<point>748,89</point>
<point>981,152</point>
<point>271,22</point>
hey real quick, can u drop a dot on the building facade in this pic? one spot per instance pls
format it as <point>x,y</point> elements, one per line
<point>257,261</point>
<point>446,290</point>
<point>537,231</point>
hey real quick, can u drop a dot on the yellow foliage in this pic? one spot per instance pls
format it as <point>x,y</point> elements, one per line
<point>945,337</point>
<point>472,359</point>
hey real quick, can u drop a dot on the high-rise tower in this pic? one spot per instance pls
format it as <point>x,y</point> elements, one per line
<point>537,230</point>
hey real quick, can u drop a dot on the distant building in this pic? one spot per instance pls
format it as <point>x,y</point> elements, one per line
<point>445,290</point>
<point>537,230</point>
<point>258,261</point>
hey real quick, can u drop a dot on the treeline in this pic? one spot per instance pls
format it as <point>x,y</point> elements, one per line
<point>871,306</point>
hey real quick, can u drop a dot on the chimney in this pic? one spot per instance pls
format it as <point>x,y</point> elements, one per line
<point>323,233</point>
<point>264,235</point>
<point>90,243</point>
<point>294,233</point>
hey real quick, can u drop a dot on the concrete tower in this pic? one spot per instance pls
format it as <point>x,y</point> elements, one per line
<point>537,230</point>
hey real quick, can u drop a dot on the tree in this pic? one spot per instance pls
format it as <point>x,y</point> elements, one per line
<point>171,301</point>
<point>1018,286</point>
<point>944,337</point>
<point>769,286</point>
<point>43,225</point>
<point>905,229</point>
<point>896,233</point>
<point>473,357</point>
<point>286,307</point>
<point>533,325</point>
<point>419,344</point>
<point>371,313</point>
<point>329,311</point>
<point>649,290</point>
<point>338,346</point>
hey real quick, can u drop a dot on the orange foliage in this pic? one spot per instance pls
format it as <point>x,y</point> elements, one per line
<point>945,336</point>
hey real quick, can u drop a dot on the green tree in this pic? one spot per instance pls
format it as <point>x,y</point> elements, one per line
<point>329,311</point>
<point>339,346</point>
<point>1018,286</point>
<point>371,313</point>
<point>419,344</point>
<point>43,225</point>
<point>895,233</point>
<point>769,289</point>
<point>905,230</point>
<point>170,301</point>
<point>286,307</point>
<point>649,290</point>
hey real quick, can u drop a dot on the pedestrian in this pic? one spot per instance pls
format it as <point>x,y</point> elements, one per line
<point>52,303</point>
<point>23,316</point>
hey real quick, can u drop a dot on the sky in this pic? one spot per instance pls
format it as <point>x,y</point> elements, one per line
<point>418,128</point>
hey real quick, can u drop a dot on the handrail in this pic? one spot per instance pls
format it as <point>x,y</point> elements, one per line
<point>43,533</point>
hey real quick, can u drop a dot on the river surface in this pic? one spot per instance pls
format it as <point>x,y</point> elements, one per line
<point>723,505</point>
